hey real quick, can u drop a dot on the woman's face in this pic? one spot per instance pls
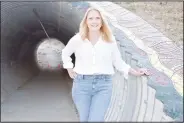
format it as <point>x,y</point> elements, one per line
<point>94,21</point>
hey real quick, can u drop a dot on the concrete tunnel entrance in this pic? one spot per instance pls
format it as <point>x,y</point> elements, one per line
<point>27,92</point>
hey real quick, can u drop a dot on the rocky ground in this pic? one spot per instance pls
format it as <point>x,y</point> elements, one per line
<point>167,17</point>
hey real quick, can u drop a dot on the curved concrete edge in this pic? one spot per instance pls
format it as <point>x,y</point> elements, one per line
<point>152,54</point>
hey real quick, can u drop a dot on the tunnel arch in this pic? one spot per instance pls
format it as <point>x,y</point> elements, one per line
<point>21,32</point>
<point>61,21</point>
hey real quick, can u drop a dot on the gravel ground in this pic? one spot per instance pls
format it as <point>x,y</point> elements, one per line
<point>167,17</point>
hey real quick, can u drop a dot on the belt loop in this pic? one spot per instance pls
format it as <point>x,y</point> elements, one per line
<point>82,76</point>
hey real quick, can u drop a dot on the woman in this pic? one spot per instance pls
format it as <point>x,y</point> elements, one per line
<point>96,55</point>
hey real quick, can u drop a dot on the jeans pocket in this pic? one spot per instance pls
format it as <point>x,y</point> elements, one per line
<point>75,77</point>
<point>78,78</point>
<point>108,78</point>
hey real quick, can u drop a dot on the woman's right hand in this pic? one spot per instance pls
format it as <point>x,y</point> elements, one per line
<point>71,73</point>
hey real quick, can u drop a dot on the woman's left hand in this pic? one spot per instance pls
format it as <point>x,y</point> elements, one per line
<point>139,71</point>
<point>143,71</point>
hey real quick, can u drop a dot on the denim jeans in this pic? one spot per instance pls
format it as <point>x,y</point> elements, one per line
<point>91,95</point>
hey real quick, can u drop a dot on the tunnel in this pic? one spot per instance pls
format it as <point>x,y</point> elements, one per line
<point>29,93</point>
<point>21,32</point>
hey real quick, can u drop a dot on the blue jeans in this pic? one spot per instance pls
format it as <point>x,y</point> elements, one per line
<point>91,95</point>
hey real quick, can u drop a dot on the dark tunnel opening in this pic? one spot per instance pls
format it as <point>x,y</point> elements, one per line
<point>21,32</point>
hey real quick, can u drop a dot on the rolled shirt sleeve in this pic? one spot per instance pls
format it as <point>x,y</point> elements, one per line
<point>118,62</point>
<point>68,50</point>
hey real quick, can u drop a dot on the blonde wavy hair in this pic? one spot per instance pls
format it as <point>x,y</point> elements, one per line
<point>105,29</point>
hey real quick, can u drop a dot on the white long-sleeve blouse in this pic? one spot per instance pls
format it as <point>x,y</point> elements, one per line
<point>100,58</point>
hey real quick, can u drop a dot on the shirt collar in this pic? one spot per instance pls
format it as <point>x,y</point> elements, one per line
<point>99,39</point>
